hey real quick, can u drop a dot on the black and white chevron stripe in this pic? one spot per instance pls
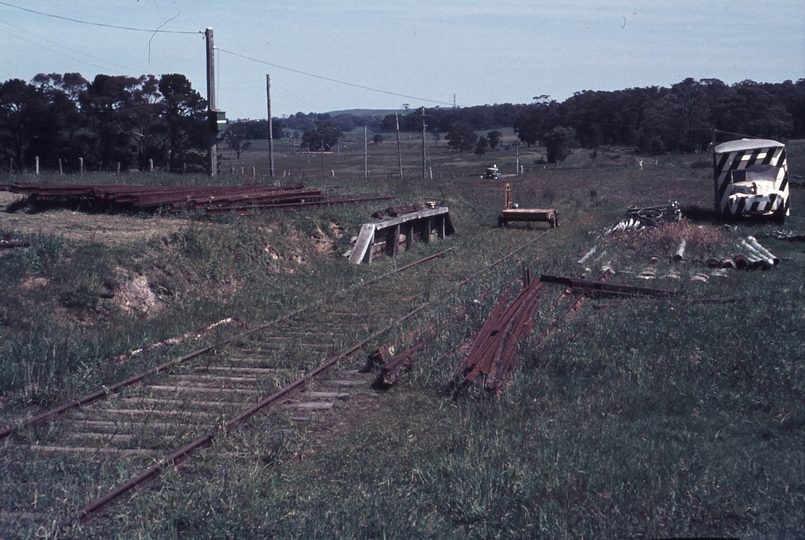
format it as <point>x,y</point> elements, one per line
<point>742,155</point>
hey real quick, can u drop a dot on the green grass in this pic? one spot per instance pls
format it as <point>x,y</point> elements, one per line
<point>654,419</point>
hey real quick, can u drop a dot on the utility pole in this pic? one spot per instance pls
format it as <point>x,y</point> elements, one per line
<point>212,144</point>
<point>424,152</point>
<point>399,151</point>
<point>270,128</point>
<point>717,203</point>
<point>365,154</point>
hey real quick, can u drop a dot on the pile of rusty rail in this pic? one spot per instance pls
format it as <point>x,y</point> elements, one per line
<point>492,353</point>
<point>212,199</point>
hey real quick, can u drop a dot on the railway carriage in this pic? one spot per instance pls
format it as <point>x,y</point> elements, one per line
<point>751,179</point>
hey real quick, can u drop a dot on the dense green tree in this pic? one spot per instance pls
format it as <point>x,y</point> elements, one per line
<point>132,120</point>
<point>66,135</point>
<point>494,139</point>
<point>535,121</point>
<point>559,143</point>
<point>236,138</point>
<point>461,137</point>
<point>21,106</point>
<point>187,126</point>
<point>104,103</point>
<point>749,109</point>
<point>323,137</point>
<point>482,146</point>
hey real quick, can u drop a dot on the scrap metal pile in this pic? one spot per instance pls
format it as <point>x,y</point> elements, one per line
<point>212,199</point>
<point>492,353</point>
<point>647,217</point>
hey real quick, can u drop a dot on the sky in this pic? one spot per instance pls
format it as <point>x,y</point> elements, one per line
<point>325,55</point>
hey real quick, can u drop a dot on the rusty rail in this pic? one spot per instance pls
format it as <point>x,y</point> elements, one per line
<point>213,199</point>
<point>180,456</point>
<point>107,390</point>
<point>176,458</point>
<point>492,353</point>
<point>576,304</point>
<point>605,287</point>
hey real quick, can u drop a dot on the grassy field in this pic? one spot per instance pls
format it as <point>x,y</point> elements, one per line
<point>657,418</point>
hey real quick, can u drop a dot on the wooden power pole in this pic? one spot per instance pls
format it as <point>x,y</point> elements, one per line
<point>212,146</point>
<point>399,151</point>
<point>270,128</point>
<point>424,151</point>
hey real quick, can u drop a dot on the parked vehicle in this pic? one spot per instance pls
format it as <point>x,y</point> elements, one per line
<point>492,172</point>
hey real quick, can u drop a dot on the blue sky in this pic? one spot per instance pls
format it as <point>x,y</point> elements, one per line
<point>417,52</point>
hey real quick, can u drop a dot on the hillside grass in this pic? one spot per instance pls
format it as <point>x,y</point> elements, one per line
<point>653,419</point>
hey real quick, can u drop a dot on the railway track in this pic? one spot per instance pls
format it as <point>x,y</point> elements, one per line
<point>67,465</point>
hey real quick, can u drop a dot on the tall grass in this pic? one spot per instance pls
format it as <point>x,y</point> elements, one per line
<point>654,419</point>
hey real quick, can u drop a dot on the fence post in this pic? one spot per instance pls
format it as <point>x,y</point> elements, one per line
<point>61,170</point>
<point>151,164</point>
<point>118,167</point>
<point>81,164</point>
<point>37,165</point>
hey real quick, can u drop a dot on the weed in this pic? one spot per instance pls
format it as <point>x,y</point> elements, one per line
<point>658,418</point>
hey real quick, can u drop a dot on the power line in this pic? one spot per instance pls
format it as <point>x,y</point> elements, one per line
<point>331,80</point>
<point>62,46</point>
<point>53,50</point>
<point>90,23</point>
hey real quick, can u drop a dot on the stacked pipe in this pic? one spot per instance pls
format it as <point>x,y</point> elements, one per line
<point>753,256</point>
<point>492,353</point>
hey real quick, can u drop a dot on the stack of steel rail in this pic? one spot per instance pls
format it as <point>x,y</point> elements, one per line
<point>492,353</point>
<point>213,199</point>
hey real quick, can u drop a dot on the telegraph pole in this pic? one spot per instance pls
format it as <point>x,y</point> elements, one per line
<point>399,152</point>
<point>424,152</point>
<point>213,136</point>
<point>270,128</point>
<point>365,154</point>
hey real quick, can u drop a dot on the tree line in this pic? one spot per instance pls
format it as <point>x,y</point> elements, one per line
<point>111,120</point>
<point>136,121</point>
<point>680,119</point>
<point>653,120</point>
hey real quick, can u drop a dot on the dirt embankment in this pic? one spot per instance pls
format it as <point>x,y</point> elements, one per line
<point>112,230</point>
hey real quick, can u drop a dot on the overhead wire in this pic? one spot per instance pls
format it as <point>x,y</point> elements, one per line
<point>329,79</point>
<point>62,46</point>
<point>104,25</point>
<point>53,50</point>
